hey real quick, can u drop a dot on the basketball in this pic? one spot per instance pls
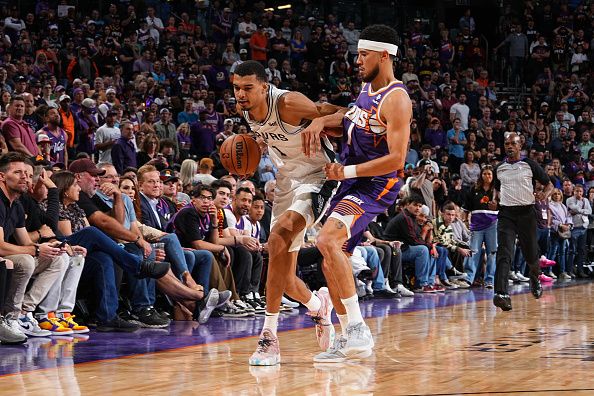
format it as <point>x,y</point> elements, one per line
<point>240,155</point>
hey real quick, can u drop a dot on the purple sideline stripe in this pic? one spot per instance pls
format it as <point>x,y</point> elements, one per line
<point>102,346</point>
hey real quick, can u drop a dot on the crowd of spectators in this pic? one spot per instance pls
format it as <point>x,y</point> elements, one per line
<point>112,122</point>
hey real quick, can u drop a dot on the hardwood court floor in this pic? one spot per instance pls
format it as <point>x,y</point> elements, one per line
<point>454,343</point>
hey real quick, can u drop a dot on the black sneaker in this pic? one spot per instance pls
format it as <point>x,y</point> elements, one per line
<point>153,269</point>
<point>321,200</point>
<point>255,304</point>
<point>148,317</point>
<point>119,325</point>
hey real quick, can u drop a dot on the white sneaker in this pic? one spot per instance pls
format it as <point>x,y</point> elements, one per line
<point>388,288</point>
<point>334,354</point>
<point>246,307</point>
<point>404,292</point>
<point>10,335</point>
<point>30,327</point>
<point>209,303</point>
<point>512,276</point>
<point>325,332</point>
<point>289,303</point>
<point>521,277</point>
<point>552,275</point>
<point>359,342</point>
<point>564,276</point>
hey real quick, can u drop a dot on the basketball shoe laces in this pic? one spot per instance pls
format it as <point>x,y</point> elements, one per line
<point>339,343</point>
<point>264,344</point>
<point>356,330</point>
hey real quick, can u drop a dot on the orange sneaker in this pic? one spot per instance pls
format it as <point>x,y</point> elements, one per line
<point>52,324</point>
<point>68,322</point>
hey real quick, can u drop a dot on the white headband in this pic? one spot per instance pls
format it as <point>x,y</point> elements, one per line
<point>378,46</point>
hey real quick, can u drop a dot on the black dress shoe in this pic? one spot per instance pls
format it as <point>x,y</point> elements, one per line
<point>502,301</point>
<point>535,287</point>
<point>581,275</point>
<point>153,269</point>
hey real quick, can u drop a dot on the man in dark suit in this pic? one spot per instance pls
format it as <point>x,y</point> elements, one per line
<point>188,264</point>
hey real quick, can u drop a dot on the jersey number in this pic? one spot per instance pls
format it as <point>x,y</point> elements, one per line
<point>280,152</point>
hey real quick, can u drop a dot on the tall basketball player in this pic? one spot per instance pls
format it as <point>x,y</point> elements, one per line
<point>278,117</point>
<point>376,133</point>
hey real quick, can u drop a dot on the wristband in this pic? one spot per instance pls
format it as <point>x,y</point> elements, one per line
<point>350,172</point>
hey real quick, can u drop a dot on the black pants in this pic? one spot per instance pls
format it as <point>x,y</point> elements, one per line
<point>247,269</point>
<point>515,221</point>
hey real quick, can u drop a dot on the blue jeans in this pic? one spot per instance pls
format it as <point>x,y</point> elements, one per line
<point>100,270</point>
<point>142,291</point>
<point>519,264</point>
<point>93,239</point>
<point>442,262</point>
<point>558,246</point>
<point>174,254</point>
<point>102,255</point>
<point>196,262</point>
<point>371,257</point>
<point>488,236</point>
<point>577,249</point>
<point>424,270</point>
<point>200,265</point>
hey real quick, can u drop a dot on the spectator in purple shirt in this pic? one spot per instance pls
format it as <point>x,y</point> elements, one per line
<point>203,137</point>
<point>435,135</point>
<point>123,152</point>
<point>213,118</point>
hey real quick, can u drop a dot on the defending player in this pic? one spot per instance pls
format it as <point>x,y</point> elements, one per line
<point>278,117</point>
<point>376,133</point>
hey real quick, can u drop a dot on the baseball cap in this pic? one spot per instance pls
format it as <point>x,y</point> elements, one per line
<point>456,176</point>
<point>424,163</point>
<point>544,104</point>
<point>40,161</point>
<point>85,165</point>
<point>243,51</point>
<point>168,175</point>
<point>53,27</point>
<point>77,90</point>
<point>111,113</point>
<point>42,137</point>
<point>59,88</point>
<point>164,110</point>
<point>206,163</point>
<point>20,79</point>
<point>88,103</point>
<point>311,19</point>
<point>228,121</point>
<point>63,97</point>
<point>110,90</point>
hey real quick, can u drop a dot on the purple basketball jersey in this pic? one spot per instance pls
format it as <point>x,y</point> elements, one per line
<point>365,135</point>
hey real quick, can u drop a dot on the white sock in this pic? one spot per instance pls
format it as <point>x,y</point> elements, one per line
<point>344,322</point>
<point>271,322</point>
<point>353,310</point>
<point>314,304</point>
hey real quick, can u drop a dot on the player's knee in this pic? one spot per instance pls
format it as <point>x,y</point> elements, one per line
<point>280,238</point>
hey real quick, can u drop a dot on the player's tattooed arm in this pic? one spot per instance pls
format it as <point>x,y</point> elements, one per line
<point>325,109</point>
<point>295,107</point>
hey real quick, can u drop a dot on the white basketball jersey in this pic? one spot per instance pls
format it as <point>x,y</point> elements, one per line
<point>284,143</point>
